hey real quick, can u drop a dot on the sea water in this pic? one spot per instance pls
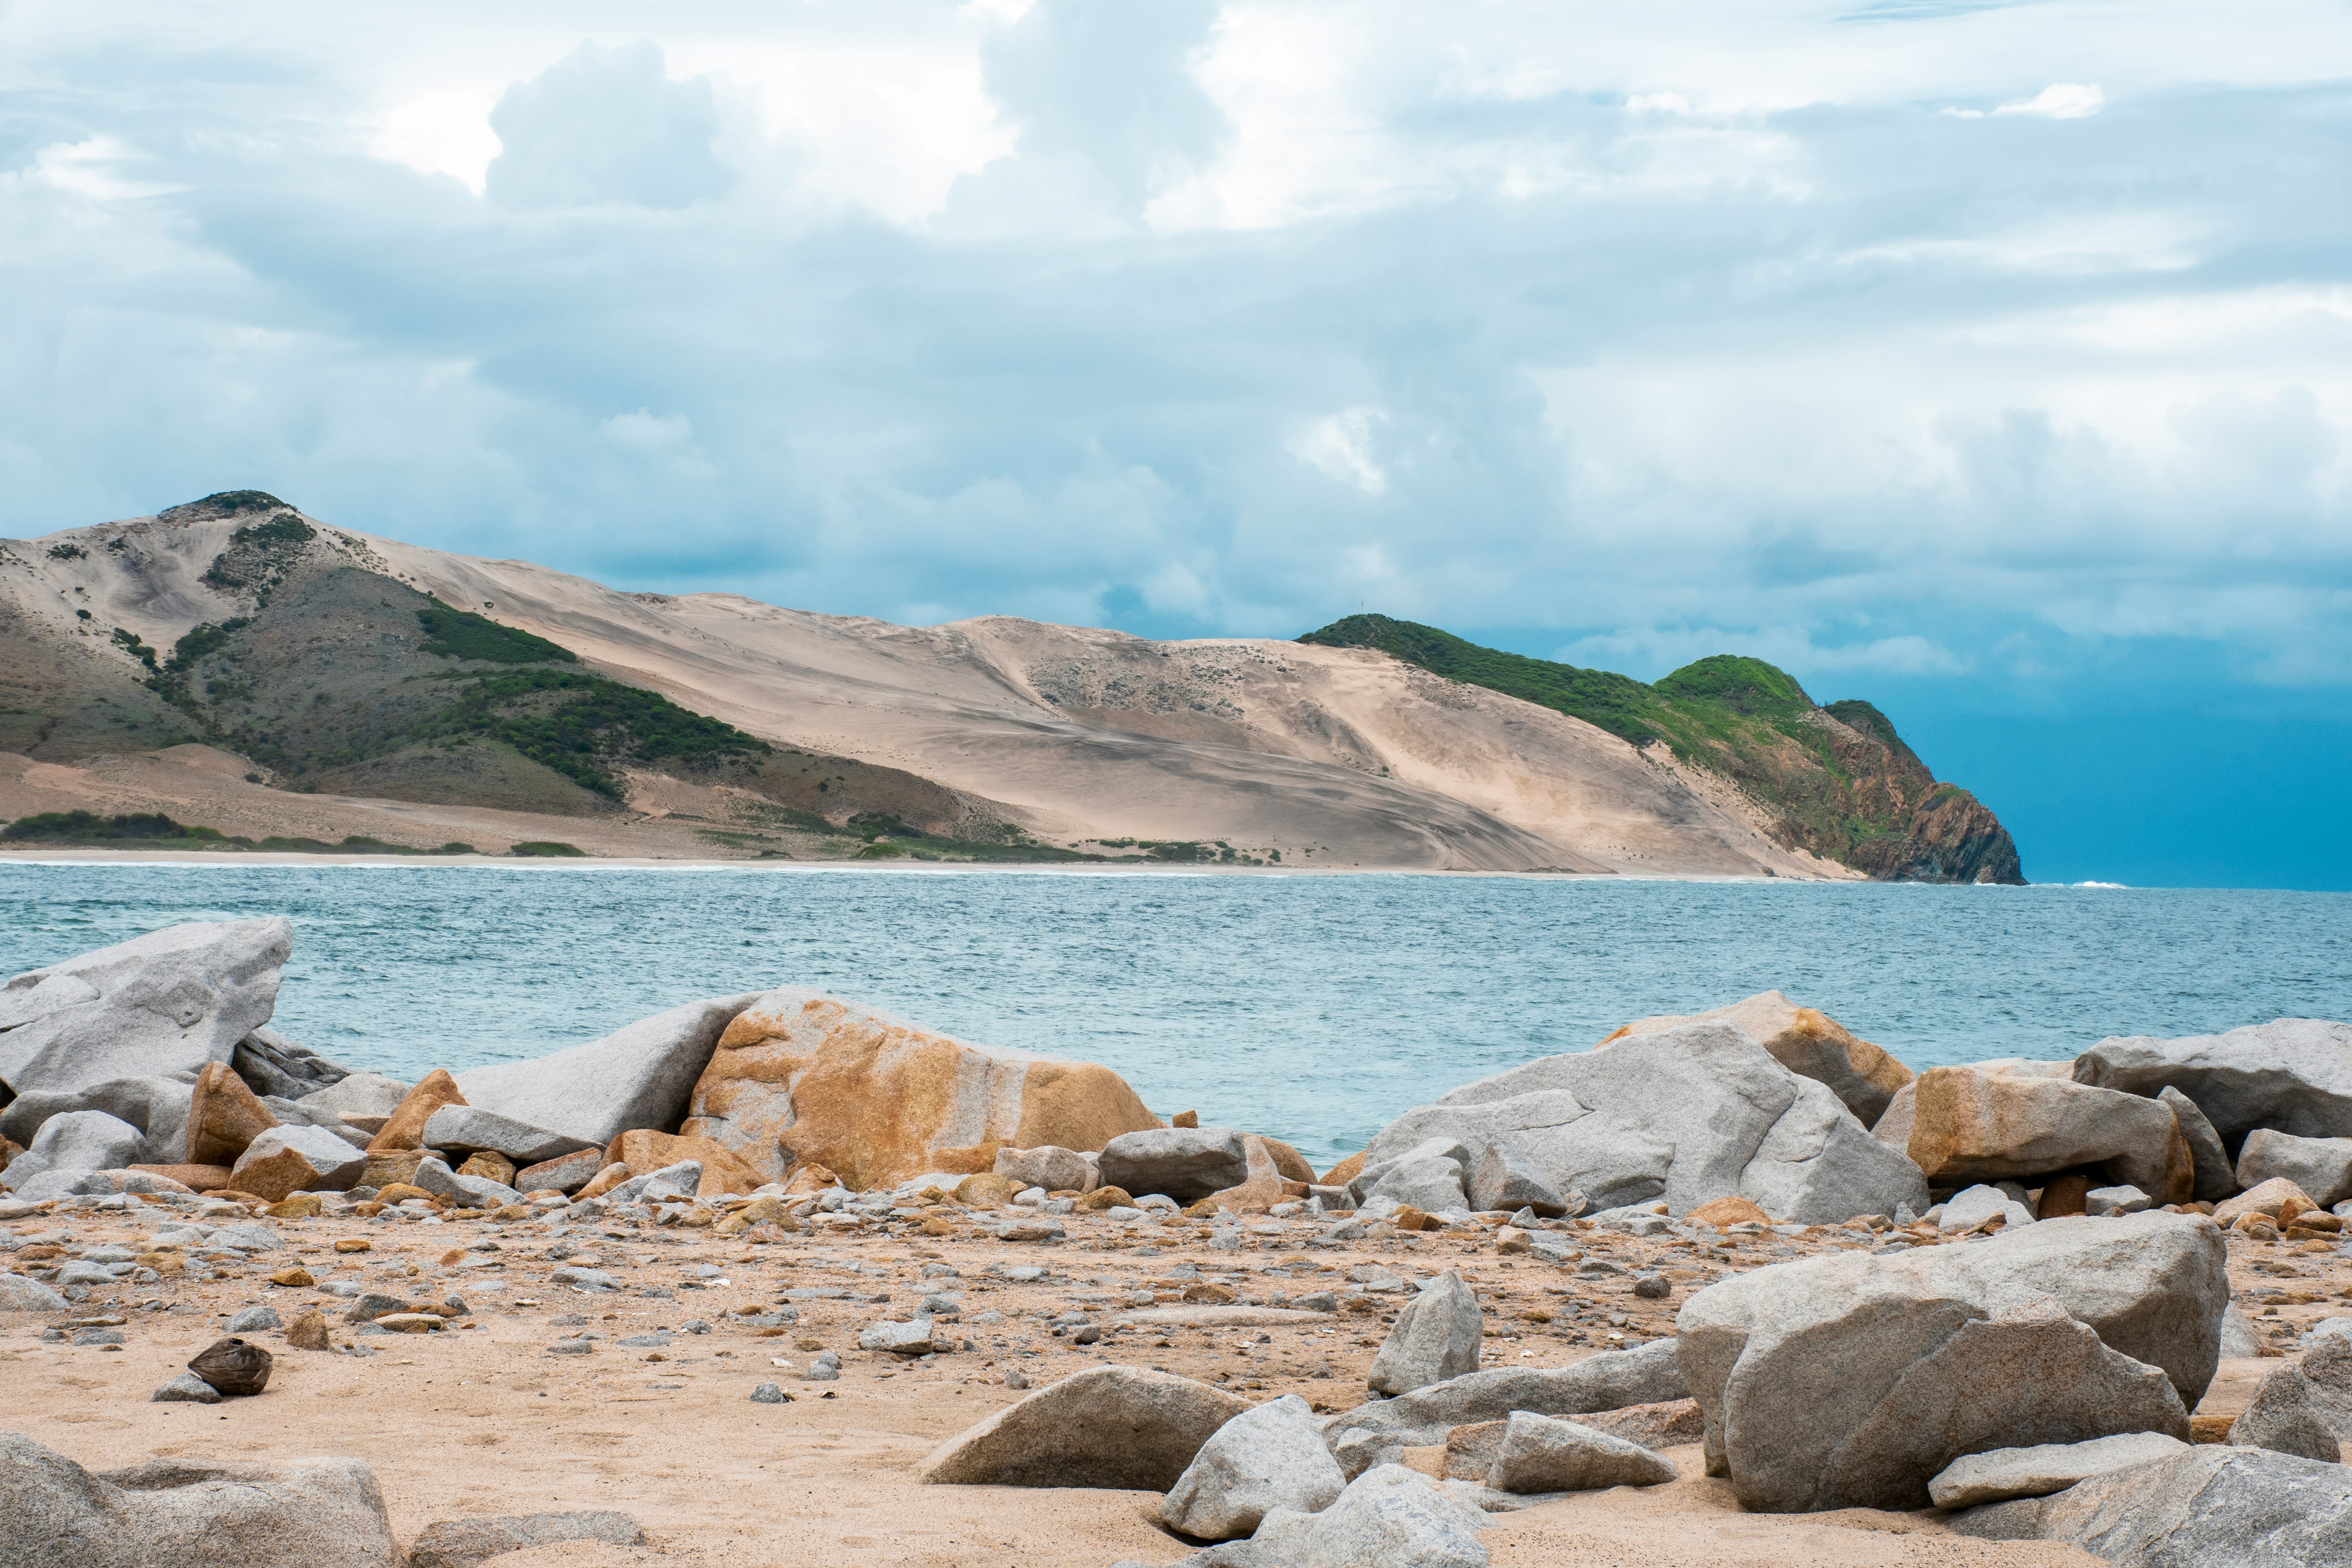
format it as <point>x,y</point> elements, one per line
<point>1313,1008</point>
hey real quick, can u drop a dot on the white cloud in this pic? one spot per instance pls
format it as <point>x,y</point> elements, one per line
<point>2061,101</point>
<point>1342,446</point>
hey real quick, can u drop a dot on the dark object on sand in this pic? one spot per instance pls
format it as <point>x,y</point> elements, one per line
<point>232,1366</point>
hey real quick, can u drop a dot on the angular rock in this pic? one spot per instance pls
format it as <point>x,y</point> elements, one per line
<point>1436,1338</point>
<point>1999,1474</point>
<point>720,1170</point>
<point>670,1184</point>
<point>1971,1125</point>
<point>1259,1191</point>
<point>253,1319</point>
<point>318,1513</point>
<point>158,1107</point>
<point>1807,1042</point>
<point>2238,1338</point>
<point>2303,1406</point>
<point>1670,1424</point>
<point>309,1331</point>
<point>232,1366</point>
<point>911,1339</point>
<point>358,1094</point>
<point>463,1192</point>
<point>186,1389</point>
<point>1049,1166</point>
<point>1388,1516</point>
<point>18,1294</point>
<point>1508,1180</point>
<point>371,1305</point>
<point>565,1174</point>
<point>297,1160</point>
<point>1116,1426</point>
<point>638,1077</point>
<point>160,1005</point>
<point>77,1141</point>
<point>1269,1457</point>
<point>2216,1179</point>
<point>1399,1154</point>
<point>1186,1163</point>
<point>2267,1198</point>
<point>1968,1209</point>
<point>2101,1203</point>
<point>2293,1075</point>
<point>224,1118</point>
<point>272,1063</point>
<point>1432,1184</point>
<point>195,1178</point>
<point>2322,1167</point>
<point>465,1130</point>
<point>1612,1380</point>
<point>1686,1115</point>
<point>462,1543</point>
<point>1545,1454</point>
<point>2212,1507</point>
<point>1725,1212</point>
<point>2055,1333</point>
<point>800,1075</point>
<point>405,1132</point>
<point>491,1167</point>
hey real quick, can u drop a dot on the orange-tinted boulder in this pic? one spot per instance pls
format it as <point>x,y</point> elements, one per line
<point>1729,1210</point>
<point>1804,1041</point>
<point>800,1075</point>
<point>196,1178</point>
<point>645,1151</point>
<point>223,1116</point>
<point>407,1128</point>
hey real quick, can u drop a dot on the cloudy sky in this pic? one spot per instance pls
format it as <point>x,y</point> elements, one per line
<point>1991,359</point>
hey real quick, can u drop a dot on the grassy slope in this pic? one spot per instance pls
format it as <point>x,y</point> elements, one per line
<point>1838,781</point>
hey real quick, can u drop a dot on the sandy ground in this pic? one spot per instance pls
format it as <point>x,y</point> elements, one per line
<point>479,1419</point>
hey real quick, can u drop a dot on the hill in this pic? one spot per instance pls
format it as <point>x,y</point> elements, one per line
<point>239,665</point>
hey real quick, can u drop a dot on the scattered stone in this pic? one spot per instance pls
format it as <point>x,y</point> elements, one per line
<point>2211,1507</point>
<point>2000,1474</point>
<point>2303,1406</point>
<point>1861,1075</point>
<point>1049,1166</point>
<point>1979,1205</point>
<point>253,1320</point>
<point>232,1366</point>
<point>286,1160</point>
<point>1185,1164</point>
<point>2049,1334</point>
<point>1989,1121</point>
<point>1544,1454</point>
<point>462,1543</point>
<point>1436,1336</point>
<point>309,1331</point>
<point>2216,1178</point>
<point>2322,1167</point>
<point>771,1393</point>
<point>225,1116</point>
<point>467,1129</point>
<point>986,1190</point>
<point>2106,1201</point>
<point>1269,1457</point>
<point>320,1513</point>
<point>295,1278</point>
<point>18,1294</point>
<point>186,1389</point>
<point>412,1323</point>
<point>1652,1287</point>
<point>1117,1426</point>
<point>878,1099</point>
<point>373,1305</point>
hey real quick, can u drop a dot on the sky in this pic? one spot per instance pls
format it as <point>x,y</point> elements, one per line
<point>1987,359</point>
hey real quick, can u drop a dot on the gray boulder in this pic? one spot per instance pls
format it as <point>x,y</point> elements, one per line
<point>1505,1180</point>
<point>1544,1454</point>
<point>1267,1458</point>
<point>671,1183</point>
<point>1999,1474</point>
<point>1390,1515</point>
<point>1436,1336</point>
<point>463,1542</point>
<point>357,1094</point>
<point>2057,1333</point>
<point>272,1064</point>
<point>186,1389</point>
<point>1610,1381</point>
<point>1118,1427</point>
<point>1974,1206</point>
<point>2211,1507</point>
<point>155,1007</point>
<point>2215,1178</point>
<point>1048,1166</point>
<point>252,1320</point>
<point>436,1177</point>
<point>158,1107</point>
<point>320,1513</point>
<point>2293,1075</point>
<point>2239,1340</point>
<point>910,1339</point>
<point>2101,1203</point>
<point>2320,1166</point>
<point>77,1141</point>
<point>1691,1113</point>
<point>638,1077</point>
<point>2303,1406</point>
<point>465,1130</point>
<point>298,1159</point>
<point>1186,1163</point>
<point>18,1294</point>
<point>1430,1182</point>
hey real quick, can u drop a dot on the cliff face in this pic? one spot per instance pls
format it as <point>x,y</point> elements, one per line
<point>1834,781</point>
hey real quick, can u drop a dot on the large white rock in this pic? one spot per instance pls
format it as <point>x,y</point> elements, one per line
<point>1804,1040</point>
<point>358,1094</point>
<point>1610,1381</point>
<point>1999,1474</point>
<point>1388,1516</point>
<point>1436,1336</point>
<point>636,1076</point>
<point>2293,1075</point>
<point>158,1107</point>
<point>1430,1182</point>
<point>77,1141</point>
<point>1688,1114</point>
<point>302,1513</point>
<point>1851,1380</point>
<point>1118,1427</point>
<point>160,1005</point>
<point>2320,1166</point>
<point>2212,1507</point>
<point>1269,1457</point>
<point>1186,1163</point>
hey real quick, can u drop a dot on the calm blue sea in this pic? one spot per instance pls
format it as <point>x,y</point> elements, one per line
<point>1312,1007</point>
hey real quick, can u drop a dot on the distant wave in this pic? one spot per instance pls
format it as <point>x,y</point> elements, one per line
<point>2098,884</point>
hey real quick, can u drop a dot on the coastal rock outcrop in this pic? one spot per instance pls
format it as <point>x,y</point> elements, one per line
<point>2055,1333</point>
<point>1804,1040</point>
<point>1117,1426</point>
<point>1998,1475</point>
<point>1963,1125</point>
<point>304,1513</point>
<point>1545,1453</point>
<point>798,1075</point>
<point>77,1141</point>
<point>1692,1113</point>
<point>2209,1507</point>
<point>2216,1179</point>
<point>641,1076</point>
<point>465,1130</point>
<point>157,1006</point>
<point>2292,1075</point>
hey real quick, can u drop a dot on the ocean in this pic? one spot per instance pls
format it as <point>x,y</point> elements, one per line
<point>1311,1007</point>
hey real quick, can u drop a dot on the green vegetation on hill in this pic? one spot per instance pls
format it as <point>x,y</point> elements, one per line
<point>88,827</point>
<point>461,634</point>
<point>584,726</point>
<point>1837,782</point>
